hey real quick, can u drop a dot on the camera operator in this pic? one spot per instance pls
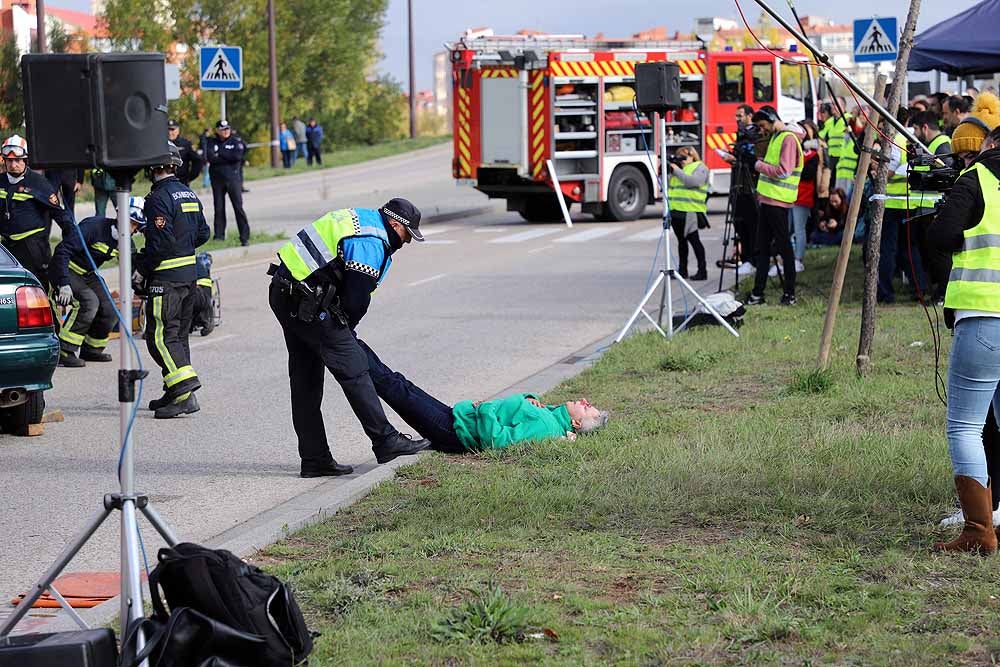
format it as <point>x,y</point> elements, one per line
<point>927,129</point>
<point>777,189</point>
<point>687,192</point>
<point>743,184</point>
<point>968,225</point>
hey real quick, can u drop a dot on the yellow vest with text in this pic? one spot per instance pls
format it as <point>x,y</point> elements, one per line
<point>974,283</point>
<point>922,199</point>
<point>895,188</point>
<point>685,199</point>
<point>786,189</point>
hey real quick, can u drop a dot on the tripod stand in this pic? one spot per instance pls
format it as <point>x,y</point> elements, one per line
<point>127,500</point>
<point>666,274</point>
<point>741,187</point>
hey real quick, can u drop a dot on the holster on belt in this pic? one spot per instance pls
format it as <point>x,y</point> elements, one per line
<point>310,301</point>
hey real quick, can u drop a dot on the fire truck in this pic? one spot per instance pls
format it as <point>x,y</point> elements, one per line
<point>522,101</point>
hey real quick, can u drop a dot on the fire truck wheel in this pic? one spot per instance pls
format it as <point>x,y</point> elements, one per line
<point>543,208</point>
<point>628,194</point>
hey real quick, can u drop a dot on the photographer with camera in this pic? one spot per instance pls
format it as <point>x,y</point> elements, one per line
<point>777,189</point>
<point>968,225</point>
<point>687,192</point>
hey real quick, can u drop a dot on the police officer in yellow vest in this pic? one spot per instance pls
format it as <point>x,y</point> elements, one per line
<point>319,292</point>
<point>968,225</point>
<point>926,127</point>
<point>777,189</point>
<point>687,194</point>
<point>896,251</point>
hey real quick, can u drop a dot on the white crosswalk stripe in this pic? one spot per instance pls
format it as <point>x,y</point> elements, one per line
<point>435,230</point>
<point>645,235</point>
<point>590,234</point>
<point>526,236</point>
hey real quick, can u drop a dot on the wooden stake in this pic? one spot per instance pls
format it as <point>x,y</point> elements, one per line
<point>872,252</point>
<point>845,245</point>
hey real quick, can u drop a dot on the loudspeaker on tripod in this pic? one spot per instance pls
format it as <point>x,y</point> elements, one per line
<point>95,109</point>
<point>658,86</point>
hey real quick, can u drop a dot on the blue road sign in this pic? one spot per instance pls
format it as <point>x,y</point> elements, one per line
<point>875,40</point>
<point>221,67</point>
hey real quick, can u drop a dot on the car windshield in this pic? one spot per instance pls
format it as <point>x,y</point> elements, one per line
<point>5,258</point>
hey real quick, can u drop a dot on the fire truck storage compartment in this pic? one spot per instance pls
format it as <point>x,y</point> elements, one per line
<point>575,128</point>
<point>504,112</point>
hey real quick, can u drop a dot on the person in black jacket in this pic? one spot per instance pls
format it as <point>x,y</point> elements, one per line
<point>67,182</point>
<point>30,205</point>
<point>175,227</point>
<point>93,315</point>
<point>189,156</point>
<point>225,155</point>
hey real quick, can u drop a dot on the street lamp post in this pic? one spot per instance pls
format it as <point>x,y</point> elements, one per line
<point>273,75</point>
<point>413,83</point>
<point>40,28</point>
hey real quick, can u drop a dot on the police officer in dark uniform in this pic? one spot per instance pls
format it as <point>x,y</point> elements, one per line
<point>319,292</point>
<point>189,156</point>
<point>30,206</point>
<point>175,227</point>
<point>93,315</point>
<point>225,155</point>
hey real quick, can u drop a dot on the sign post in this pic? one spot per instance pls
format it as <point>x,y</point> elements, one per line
<point>222,70</point>
<point>875,40</point>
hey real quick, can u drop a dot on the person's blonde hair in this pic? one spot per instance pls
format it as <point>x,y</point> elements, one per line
<point>691,152</point>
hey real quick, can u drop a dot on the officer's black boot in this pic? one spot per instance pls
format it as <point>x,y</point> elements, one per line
<point>70,360</point>
<point>88,353</point>
<point>332,469</point>
<point>160,402</point>
<point>179,407</point>
<point>209,326</point>
<point>399,445</point>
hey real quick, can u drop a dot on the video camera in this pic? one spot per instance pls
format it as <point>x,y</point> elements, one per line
<point>676,159</point>
<point>745,146</point>
<point>924,173</point>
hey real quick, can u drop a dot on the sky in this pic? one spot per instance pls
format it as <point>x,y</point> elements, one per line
<point>440,21</point>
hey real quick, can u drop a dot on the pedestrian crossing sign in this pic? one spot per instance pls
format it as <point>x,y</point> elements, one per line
<point>221,67</point>
<point>875,40</point>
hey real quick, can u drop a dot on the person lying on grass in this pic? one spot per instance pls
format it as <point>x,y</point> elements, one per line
<point>475,426</point>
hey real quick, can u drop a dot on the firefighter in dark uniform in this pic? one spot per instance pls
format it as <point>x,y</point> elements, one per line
<point>189,156</point>
<point>225,156</point>
<point>175,227</point>
<point>319,292</point>
<point>30,207</point>
<point>93,316</point>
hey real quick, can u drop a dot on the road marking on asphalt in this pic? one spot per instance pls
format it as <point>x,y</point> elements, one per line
<point>490,230</point>
<point>427,280</point>
<point>544,247</point>
<point>526,236</point>
<point>590,234</point>
<point>233,267</point>
<point>439,242</point>
<point>211,340</point>
<point>435,230</point>
<point>645,235</point>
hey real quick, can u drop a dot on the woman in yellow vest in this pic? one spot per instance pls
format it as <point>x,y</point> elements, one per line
<point>968,225</point>
<point>687,193</point>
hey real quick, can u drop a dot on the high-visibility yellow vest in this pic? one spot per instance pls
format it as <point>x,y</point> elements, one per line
<point>781,189</point>
<point>847,165</point>
<point>824,130</point>
<point>974,283</point>
<point>835,139</point>
<point>319,243</point>
<point>922,199</point>
<point>685,199</point>
<point>895,188</point>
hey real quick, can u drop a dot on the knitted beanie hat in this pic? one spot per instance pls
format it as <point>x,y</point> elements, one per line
<point>985,115</point>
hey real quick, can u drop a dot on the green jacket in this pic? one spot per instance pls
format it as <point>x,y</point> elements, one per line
<point>506,421</point>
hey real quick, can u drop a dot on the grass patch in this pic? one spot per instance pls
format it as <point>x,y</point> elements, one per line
<point>718,519</point>
<point>490,616</point>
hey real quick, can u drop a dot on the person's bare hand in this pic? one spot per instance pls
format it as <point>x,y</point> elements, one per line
<point>535,402</point>
<point>477,404</point>
<point>570,435</point>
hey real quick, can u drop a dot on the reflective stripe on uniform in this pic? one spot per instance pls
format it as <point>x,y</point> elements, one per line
<point>66,335</point>
<point>77,269</point>
<point>23,235</point>
<point>179,375</point>
<point>161,346</point>
<point>974,283</point>
<point>190,207</point>
<point>21,196</point>
<point>687,199</point>
<point>175,263</point>
<point>98,343</point>
<point>318,243</point>
<point>204,282</point>
<point>105,249</point>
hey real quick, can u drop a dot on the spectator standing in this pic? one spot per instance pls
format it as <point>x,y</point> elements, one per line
<point>299,129</point>
<point>67,182</point>
<point>286,141</point>
<point>225,160</point>
<point>104,190</point>
<point>806,200</point>
<point>314,141</point>
<point>192,161</point>
<point>954,110</point>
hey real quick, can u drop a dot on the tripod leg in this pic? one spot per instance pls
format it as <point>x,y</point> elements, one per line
<point>159,524</point>
<point>131,591</point>
<point>68,608</point>
<point>50,575</point>
<point>639,309</point>
<point>686,285</point>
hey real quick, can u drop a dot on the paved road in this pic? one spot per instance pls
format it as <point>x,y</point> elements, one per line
<point>485,302</point>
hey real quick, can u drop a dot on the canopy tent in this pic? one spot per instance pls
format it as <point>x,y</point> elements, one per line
<point>965,44</point>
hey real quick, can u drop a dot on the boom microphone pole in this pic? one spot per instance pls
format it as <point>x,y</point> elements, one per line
<point>823,58</point>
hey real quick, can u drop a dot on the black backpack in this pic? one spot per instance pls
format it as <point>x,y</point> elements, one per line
<point>223,588</point>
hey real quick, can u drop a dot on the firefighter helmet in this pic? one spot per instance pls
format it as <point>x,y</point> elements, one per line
<point>15,146</point>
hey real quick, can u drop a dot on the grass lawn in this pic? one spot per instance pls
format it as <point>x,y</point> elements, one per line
<point>736,510</point>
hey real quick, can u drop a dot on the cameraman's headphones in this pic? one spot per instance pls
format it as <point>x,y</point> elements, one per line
<point>768,113</point>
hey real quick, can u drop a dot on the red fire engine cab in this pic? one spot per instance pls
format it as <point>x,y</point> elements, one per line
<point>522,101</point>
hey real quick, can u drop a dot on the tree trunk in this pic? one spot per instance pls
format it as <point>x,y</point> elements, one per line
<point>872,252</point>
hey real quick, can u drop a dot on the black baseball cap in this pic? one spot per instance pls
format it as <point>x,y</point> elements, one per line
<point>223,125</point>
<point>172,124</point>
<point>405,213</point>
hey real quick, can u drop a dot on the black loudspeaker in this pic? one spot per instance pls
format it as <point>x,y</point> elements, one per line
<point>95,109</point>
<point>658,86</point>
<point>90,648</point>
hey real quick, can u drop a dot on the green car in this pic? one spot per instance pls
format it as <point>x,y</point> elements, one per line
<point>29,350</point>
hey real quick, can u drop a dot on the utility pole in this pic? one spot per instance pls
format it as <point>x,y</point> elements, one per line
<point>40,29</point>
<point>413,82</point>
<point>272,56</point>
